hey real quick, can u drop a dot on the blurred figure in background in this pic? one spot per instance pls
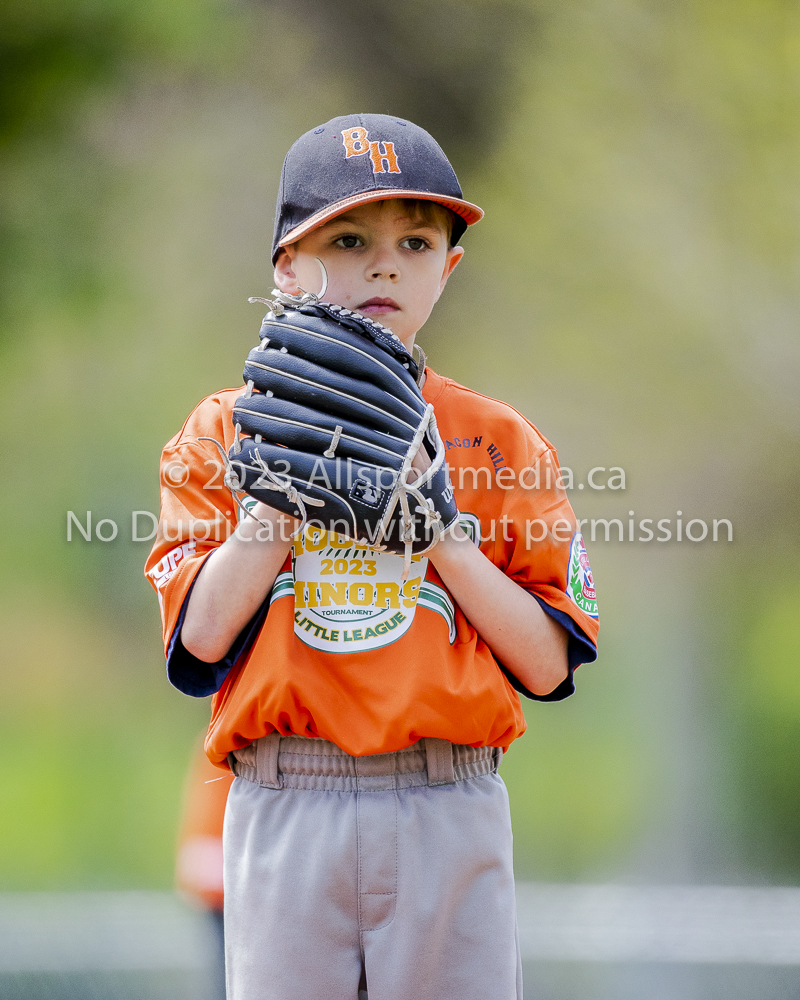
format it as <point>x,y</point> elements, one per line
<point>198,868</point>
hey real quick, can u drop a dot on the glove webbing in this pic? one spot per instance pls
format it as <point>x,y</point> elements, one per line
<point>433,519</point>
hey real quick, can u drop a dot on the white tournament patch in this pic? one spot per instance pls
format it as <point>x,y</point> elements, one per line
<point>349,598</point>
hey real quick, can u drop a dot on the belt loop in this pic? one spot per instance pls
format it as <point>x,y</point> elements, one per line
<point>498,757</point>
<point>439,756</point>
<point>267,750</point>
<point>232,762</point>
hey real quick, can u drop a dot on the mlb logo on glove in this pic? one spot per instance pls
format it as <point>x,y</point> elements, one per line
<point>367,493</point>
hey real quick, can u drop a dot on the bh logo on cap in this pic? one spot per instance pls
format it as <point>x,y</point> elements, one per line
<point>356,144</point>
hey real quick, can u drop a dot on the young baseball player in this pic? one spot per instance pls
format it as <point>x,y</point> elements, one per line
<point>364,707</point>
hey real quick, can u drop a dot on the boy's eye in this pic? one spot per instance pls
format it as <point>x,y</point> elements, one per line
<point>349,242</point>
<point>415,243</point>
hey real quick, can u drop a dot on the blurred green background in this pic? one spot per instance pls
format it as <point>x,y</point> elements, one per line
<point>634,290</point>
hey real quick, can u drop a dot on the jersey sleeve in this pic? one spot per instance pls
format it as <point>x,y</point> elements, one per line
<point>539,546</point>
<point>197,516</point>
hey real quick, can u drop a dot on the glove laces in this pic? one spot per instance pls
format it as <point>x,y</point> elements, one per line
<point>232,481</point>
<point>284,485</point>
<point>280,300</point>
<point>273,482</point>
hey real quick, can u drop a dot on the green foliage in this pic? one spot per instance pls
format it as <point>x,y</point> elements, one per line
<point>765,702</point>
<point>52,52</point>
<point>773,653</point>
<point>97,746</point>
<point>577,791</point>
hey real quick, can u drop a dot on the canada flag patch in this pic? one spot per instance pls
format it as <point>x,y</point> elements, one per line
<point>580,582</point>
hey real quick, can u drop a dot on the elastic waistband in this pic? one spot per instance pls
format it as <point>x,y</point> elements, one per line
<point>276,761</point>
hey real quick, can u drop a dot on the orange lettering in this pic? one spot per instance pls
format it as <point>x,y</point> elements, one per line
<point>379,158</point>
<point>355,141</point>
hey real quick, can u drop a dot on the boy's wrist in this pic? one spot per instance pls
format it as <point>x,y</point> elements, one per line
<point>452,547</point>
<point>266,526</point>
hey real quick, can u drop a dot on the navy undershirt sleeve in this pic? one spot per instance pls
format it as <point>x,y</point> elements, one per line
<point>581,649</point>
<point>196,677</point>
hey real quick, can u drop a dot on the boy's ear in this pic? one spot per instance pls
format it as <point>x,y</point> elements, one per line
<point>285,278</point>
<point>454,255</point>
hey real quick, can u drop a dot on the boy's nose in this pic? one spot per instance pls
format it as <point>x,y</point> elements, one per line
<point>384,266</point>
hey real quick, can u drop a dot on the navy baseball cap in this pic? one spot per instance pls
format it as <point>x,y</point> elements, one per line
<point>356,159</point>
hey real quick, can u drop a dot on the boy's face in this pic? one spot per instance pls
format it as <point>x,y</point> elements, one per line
<point>380,261</point>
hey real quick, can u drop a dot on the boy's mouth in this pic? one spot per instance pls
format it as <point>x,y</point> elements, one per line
<point>378,307</point>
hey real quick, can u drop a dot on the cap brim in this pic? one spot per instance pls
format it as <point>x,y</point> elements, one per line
<point>469,213</point>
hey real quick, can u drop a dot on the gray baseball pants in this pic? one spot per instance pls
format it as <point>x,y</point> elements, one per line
<point>392,871</point>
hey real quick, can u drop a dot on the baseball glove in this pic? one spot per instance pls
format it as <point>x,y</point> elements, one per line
<point>333,419</point>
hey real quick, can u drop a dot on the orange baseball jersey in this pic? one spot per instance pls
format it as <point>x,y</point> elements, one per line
<point>342,648</point>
